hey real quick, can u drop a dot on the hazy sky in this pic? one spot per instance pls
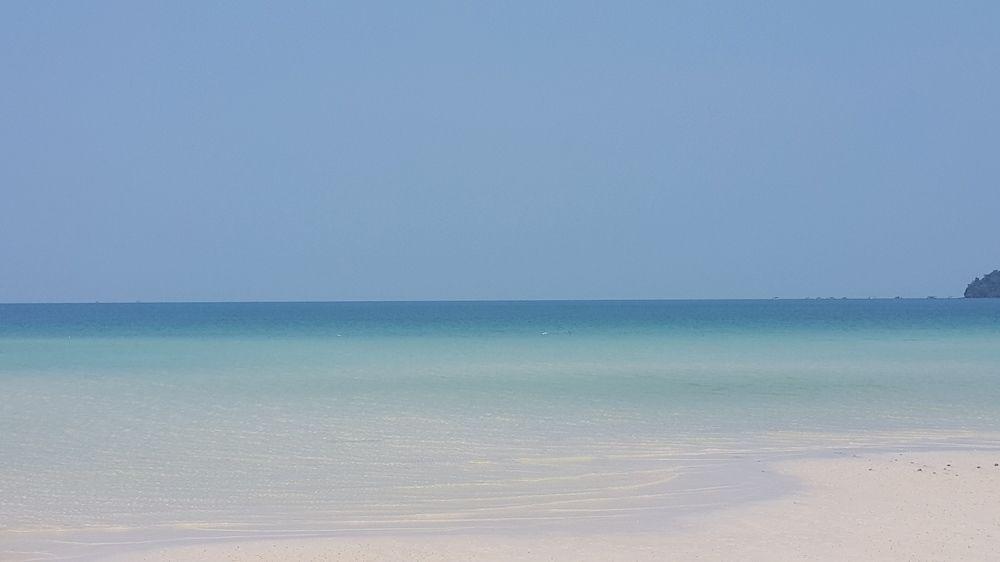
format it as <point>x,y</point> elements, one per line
<point>413,150</point>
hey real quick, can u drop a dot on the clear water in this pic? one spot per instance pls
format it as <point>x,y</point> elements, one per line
<point>453,415</point>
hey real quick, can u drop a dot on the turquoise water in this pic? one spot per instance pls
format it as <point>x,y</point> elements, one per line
<point>434,415</point>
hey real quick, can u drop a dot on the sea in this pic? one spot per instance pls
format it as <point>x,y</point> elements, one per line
<point>129,425</point>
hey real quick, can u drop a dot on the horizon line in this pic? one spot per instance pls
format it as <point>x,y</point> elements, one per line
<point>474,300</point>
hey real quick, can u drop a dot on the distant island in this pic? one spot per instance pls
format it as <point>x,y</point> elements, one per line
<point>987,287</point>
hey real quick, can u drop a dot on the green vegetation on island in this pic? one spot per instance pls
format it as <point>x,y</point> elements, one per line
<point>987,287</point>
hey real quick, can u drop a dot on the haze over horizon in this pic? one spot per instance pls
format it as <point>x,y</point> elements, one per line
<point>195,152</point>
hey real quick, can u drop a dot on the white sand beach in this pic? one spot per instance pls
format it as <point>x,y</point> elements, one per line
<point>888,506</point>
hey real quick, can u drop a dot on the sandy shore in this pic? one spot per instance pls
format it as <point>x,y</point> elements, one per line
<point>903,506</point>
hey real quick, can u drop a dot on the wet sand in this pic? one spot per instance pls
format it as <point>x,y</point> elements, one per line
<point>887,506</point>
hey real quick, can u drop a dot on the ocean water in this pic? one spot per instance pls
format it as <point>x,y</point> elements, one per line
<point>207,420</point>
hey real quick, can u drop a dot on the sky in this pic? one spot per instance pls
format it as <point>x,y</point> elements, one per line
<point>186,151</point>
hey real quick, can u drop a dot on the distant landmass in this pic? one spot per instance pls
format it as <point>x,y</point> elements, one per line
<point>987,287</point>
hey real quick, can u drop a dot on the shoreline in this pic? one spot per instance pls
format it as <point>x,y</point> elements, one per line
<point>912,504</point>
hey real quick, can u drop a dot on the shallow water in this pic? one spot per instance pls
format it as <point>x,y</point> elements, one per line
<point>493,415</point>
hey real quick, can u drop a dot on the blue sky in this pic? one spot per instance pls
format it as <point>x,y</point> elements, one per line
<point>332,151</point>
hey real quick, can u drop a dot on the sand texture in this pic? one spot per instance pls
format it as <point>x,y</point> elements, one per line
<point>901,506</point>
